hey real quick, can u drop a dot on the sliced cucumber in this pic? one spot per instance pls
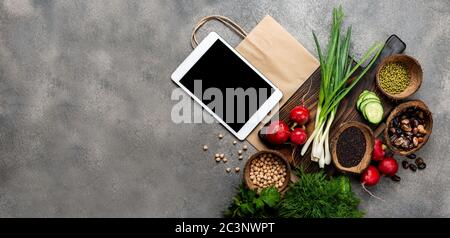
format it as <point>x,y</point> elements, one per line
<point>370,106</point>
<point>365,102</point>
<point>373,112</point>
<point>361,98</point>
<point>370,95</point>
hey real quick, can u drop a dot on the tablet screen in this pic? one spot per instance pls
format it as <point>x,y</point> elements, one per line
<point>227,85</point>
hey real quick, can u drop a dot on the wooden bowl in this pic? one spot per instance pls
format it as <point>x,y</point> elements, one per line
<point>415,75</point>
<point>428,120</point>
<point>283,158</point>
<point>365,161</point>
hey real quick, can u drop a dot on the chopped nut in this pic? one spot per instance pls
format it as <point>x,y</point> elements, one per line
<point>399,141</point>
<point>240,157</point>
<point>237,169</point>
<point>406,127</point>
<point>421,129</point>
<point>239,152</point>
<point>234,142</point>
<point>205,147</point>
<point>245,147</point>
<point>222,156</point>
<point>228,170</point>
<point>220,136</point>
<point>217,159</point>
<point>415,141</point>
<point>216,155</point>
<point>225,160</point>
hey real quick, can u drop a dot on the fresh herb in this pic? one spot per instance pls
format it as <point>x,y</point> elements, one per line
<point>248,203</point>
<point>315,196</point>
<point>336,69</point>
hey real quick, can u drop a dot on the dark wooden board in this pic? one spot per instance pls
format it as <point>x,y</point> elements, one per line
<point>347,110</point>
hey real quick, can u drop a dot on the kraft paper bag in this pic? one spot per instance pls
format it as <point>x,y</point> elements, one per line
<point>281,58</point>
<point>275,53</point>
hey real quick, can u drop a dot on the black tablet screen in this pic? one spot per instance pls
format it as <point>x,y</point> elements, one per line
<point>227,85</point>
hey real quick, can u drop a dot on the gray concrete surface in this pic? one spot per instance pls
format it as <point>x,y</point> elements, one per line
<point>85,108</point>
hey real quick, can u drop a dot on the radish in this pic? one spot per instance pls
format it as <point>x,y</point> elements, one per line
<point>370,177</point>
<point>278,132</point>
<point>388,166</point>
<point>300,115</point>
<point>298,136</point>
<point>378,151</point>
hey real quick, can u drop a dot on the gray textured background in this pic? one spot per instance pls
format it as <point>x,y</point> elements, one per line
<point>85,123</point>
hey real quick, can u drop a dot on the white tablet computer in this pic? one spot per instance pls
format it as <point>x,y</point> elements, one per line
<point>227,85</point>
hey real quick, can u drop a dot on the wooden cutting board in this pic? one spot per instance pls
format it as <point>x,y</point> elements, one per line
<point>347,110</point>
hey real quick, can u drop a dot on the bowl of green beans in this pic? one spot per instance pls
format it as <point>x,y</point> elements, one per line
<point>399,76</point>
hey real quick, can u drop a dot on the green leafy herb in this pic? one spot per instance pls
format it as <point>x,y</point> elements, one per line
<point>248,203</point>
<point>315,196</point>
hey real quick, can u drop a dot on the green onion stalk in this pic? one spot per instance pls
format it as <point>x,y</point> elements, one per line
<point>337,80</point>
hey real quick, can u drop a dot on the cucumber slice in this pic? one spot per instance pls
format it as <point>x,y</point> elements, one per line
<point>364,93</point>
<point>373,112</point>
<point>365,102</point>
<point>358,102</point>
<point>363,96</point>
<point>370,95</point>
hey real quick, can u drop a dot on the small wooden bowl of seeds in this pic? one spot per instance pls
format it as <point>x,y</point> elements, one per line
<point>267,168</point>
<point>408,127</point>
<point>351,147</point>
<point>399,76</point>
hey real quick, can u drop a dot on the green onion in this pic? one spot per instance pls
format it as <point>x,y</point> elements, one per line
<point>336,69</point>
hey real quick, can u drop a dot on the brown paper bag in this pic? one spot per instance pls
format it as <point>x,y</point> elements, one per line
<point>276,54</point>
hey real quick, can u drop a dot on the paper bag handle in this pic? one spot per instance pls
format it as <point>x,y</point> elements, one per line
<point>224,20</point>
